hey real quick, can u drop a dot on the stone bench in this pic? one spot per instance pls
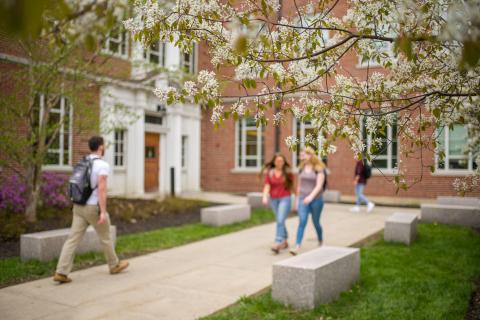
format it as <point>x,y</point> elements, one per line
<point>451,214</point>
<point>47,245</point>
<point>401,227</point>
<point>315,277</point>
<point>459,201</point>
<point>332,196</point>
<point>226,214</point>
<point>254,199</point>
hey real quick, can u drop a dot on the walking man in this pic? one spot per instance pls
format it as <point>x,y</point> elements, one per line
<point>362,173</point>
<point>93,212</point>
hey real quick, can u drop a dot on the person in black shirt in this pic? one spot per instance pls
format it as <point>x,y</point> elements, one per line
<point>360,181</point>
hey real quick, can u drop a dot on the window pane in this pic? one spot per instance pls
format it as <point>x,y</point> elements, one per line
<point>380,163</point>
<point>457,140</point>
<point>461,164</point>
<point>251,163</point>
<point>154,59</point>
<point>66,158</point>
<point>52,158</point>
<point>114,47</point>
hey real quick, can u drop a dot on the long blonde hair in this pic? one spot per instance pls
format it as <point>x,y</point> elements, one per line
<point>317,164</point>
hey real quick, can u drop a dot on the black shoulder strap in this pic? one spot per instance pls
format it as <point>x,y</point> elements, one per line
<point>90,169</point>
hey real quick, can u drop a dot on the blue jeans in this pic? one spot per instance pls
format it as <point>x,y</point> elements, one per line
<point>281,207</point>
<point>315,208</point>
<point>359,192</point>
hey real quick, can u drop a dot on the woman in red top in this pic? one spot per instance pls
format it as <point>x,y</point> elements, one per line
<point>278,185</point>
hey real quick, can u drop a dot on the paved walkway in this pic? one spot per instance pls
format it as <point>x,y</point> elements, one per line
<point>181,283</point>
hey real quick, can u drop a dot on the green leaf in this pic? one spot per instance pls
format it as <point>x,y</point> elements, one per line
<point>405,45</point>
<point>470,53</point>
<point>436,112</point>
<point>90,43</point>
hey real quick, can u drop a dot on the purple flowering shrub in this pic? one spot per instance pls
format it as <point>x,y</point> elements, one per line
<point>53,193</point>
<point>54,190</point>
<point>12,195</point>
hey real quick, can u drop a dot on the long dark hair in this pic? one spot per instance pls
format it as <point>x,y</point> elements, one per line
<point>267,167</point>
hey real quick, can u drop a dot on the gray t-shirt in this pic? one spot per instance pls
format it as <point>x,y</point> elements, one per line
<point>308,181</point>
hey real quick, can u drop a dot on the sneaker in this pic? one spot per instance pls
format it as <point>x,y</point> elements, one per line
<point>370,206</point>
<point>122,265</point>
<point>61,278</point>
<point>320,243</point>
<point>294,251</point>
<point>355,209</point>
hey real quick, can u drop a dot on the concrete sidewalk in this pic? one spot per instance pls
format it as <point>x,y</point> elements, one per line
<point>185,282</point>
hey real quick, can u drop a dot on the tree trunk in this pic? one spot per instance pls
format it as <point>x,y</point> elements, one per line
<point>33,193</point>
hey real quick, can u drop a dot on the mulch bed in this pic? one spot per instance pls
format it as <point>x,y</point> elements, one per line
<point>128,215</point>
<point>473,312</point>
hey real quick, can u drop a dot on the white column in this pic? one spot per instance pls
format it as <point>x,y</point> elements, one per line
<point>136,155</point>
<point>174,152</point>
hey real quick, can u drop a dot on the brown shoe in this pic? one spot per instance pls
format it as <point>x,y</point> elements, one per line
<point>276,248</point>
<point>122,265</point>
<point>61,278</point>
<point>283,245</point>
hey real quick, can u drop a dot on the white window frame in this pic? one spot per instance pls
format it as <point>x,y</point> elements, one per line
<point>445,132</point>
<point>304,126</point>
<point>242,156</point>
<point>160,53</point>
<point>64,105</point>
<point>120,154</point>
<point>118,40</point>
<point>184,155</point>
<point>193,60</point>
<point>389,156</point>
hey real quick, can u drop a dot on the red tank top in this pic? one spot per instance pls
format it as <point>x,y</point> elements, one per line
<point>277,185</point>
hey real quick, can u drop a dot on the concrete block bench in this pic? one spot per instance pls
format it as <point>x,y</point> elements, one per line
<point>47,245</point>
<point>332,196</point>
<point>450,214</point>
<point>315,277</point>
<point>459,201</point>
<point>227,214</point>
<point>254,199</point>
<point>401,227</point>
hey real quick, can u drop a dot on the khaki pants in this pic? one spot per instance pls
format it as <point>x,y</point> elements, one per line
<point>82,217</point>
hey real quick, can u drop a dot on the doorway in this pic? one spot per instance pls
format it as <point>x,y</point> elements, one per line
<point>152,161</point>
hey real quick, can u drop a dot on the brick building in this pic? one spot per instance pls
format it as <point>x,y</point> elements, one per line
<point>232,155</point>
<point>143,151</point>
<point>145,139</point>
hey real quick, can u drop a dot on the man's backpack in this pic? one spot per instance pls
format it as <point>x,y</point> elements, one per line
<point>367,170</point>
<point>79,188</point>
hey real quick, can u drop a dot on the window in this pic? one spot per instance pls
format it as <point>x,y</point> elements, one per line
<point>384,153</point>
<point>119,148</point>
<point>188,60</point>
<point>249,144</point>
<point>154,119</point>
<point>452,143</point>
<point>59,129</point>
<point>305,133</point>
<point>117,43</point>
<point>155,54</point>
<point>184,151</point>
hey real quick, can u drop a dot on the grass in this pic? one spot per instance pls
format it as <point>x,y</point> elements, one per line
<point>432,279</point>
<point>13,270</point>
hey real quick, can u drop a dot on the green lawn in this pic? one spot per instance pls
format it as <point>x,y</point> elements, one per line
<point>13,270</point>
<point>432,279</point>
